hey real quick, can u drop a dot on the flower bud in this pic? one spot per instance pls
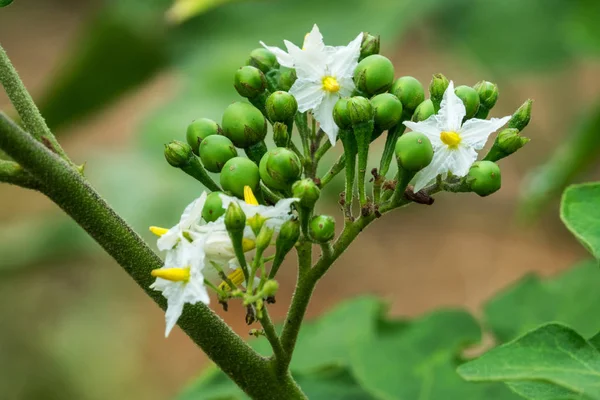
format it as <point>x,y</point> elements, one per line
<point>213,207</point>
<point>507,142</point>
<point>521,117</point>
<point>281,137</point>
<point>410,92</point>
<point>249,81</point>
<point>423,111</point>
<point>199,130</point>
<point>270,288</point>
<point>374,74</point>
<point>387,109</point>
<point>287,77</point>
<point>244,124</point>
<point>178,154</point>
<point>413,151</point>
<point>235,219</point>
<point>359,110</point>
<point>488,94</point>
<point>484,178</point>
<point>341,115</point>
<point>369,45</point>
<point>288,236</point>
<point>322,228</point>
<point>281,107</point>
<point>279,168</point>
<point>470,99</point>
<point>263,59</point>
<point>307,191</point>
<point>237,173</point>
<point>437,88</point>
<point>215,151</point>
<point>263,239</point>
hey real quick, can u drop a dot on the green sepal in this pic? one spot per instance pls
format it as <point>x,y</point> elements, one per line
<point>256,151</point>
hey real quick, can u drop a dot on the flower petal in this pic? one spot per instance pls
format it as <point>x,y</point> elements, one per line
<point>461,160</point>
<point>308,64</point>
<point>174,309</point>
<point>308,94</point>
<point>475,132</point>
<point>313,41</point>
<point>452,111</point>
<point>324,115</point>
<point>438,165</point>
<point>429,127</point>
<point>283,58</point>
<point>346,86</point>
<point>343,61</point>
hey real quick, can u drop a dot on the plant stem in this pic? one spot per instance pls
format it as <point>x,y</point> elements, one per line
<point>14,174</point>
<point>335,169</point>
<point>272,337</point>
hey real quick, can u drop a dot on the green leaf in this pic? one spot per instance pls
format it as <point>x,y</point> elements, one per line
<point>542,391</point>
<point>570,297</point>
<point>581,215</point>
<point>552,354</point>
<point>4,3</point>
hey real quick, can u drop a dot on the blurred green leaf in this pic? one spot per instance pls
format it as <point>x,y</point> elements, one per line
<point>581,215</point>
<point>570,298</point>
<point>4,3</point>
<point>542,391</point>
<point>552,354</point>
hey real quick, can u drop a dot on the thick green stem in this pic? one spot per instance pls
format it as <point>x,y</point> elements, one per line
<point>196,170</point>
<point>272,337</point>
<point>81,202</point>
<point>403,179</point>
<point>363,133</point>
<point>390,144</point>
<point>335,169</point>
<point>350,150</point>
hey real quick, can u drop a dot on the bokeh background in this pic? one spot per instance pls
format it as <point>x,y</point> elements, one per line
<point>117,80</point>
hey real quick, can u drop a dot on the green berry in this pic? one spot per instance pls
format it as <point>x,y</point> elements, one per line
<point>237,173</point>
<point>213,207</point>
<point>178,154</point>
<point>488,94</point>
<point>249,81</point>
<point>413,151</point>
<point>281,107</point>
<point>199,130</point>
<point>322,228</point>
<point>470,99</point>
<point>484,178</point>
<point>307,191</point>
<point>374,74</point>
<point>263,59</point>
<point>423,111</point>
<point>387,109</point>
<point>215,151</point>
<point>360,110</point>
<point>287,77</point>
<point>244,124</point>
<point>369,45</point>
<point>341,115</point>
<point>280,168</point>
<point>410,92</point>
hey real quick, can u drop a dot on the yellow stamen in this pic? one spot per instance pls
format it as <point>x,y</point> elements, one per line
<point>158,231</point>
<point>330,84</point>
<point>172,274</point>
<point>249,197</point>
<point>451,139</point>
<point>248,244</point>
<point>236,277</point>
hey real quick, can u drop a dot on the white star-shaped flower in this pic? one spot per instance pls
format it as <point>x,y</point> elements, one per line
<point>455,144</point>
<point>324,75</point>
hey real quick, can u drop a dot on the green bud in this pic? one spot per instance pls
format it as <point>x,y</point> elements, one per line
<point>387,109</point>
<point>263,59</point>
<point>437,88</point>
<point>521,117</point>
<point>213,207</point>
<point>244,124</point>
<point>199,130</point>
<point>235,219</point>
<point>423,111</point>
<point>281,137</point>
<point>360,110</point>
<point>341,115</point>
<point>374,74</point>
<point>470,99</point>
<point>178,154</point>
<point>484,178</point>
<point>509,140</point>
<point>237,173</point>
<point>249,81</point>
<point>263,239</point>
<point>289,233</point>
<point>215,151</point>
<point>270,288</point>
<point>369,45</point>
<point>322,228</point>
<point>281,107</point>
<point>307,191</point>
<point>287,77</point>
<point>410,92</point>
<point>413,151</point>
<point>279,168</point>
<point>488,94</point>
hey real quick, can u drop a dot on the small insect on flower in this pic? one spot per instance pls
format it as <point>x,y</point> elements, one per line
<point>455,144</point>
<point>325,73</point>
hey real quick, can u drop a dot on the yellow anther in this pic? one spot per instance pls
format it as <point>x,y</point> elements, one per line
<point>236,277</point>
<point>172,274</point>
<point>330,84</point>
<point>248,244</point>
<point>158,231</point>
<point>249,197</point>
<point>451,139</point>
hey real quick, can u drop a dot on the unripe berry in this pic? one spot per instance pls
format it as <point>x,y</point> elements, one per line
<point>387,109</point>
<point>360,110</point>
<point>410,92</point>
<point>244,124</point>
<point>374,74</point>
<point>263,59</point>
<point>199,130</point>
<point>213,207</point>
<point>307,191</point>
<point>287,77</point>
<point>280,168</point>
<point>237,173</point>
<point>178,154</point>
<point>413,151</point>
<point>484,178</point>
<point>249,81</point>
<point>470,99</point>
<point>281,107</point>
<point>423,111</point>
<point>488,94</point>
<point>322,228</point>
<point>369,46</point>
<point>341,115</point>
<point>215,151</point>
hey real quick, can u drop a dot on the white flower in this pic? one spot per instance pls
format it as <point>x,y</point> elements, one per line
<point>324,75</point>
<point>191,216</point>
<point>455,145</point>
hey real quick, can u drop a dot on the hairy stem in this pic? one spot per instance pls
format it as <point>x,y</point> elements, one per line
<point>14,174</point>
